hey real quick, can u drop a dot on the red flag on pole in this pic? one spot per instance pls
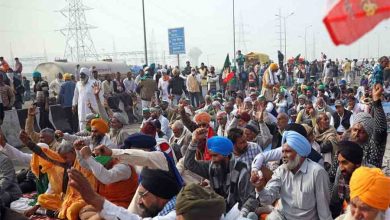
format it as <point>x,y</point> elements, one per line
<point>348,20</point>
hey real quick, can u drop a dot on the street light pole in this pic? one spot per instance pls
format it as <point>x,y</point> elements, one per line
<point>285,36</point>
<point>314,46</point>
<point>285,40</point>
<point>145,46</point>
<point>305,45</point>
<point>285,32</point>
<point>305,40</point>
<point>280,29</point>
<point>234,37</point>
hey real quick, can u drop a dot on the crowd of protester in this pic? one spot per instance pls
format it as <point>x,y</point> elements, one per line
<point>305,140</point>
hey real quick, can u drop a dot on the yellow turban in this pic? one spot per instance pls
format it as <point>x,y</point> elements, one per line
<point>202,117</point>
<point>100,124</point>
<point>371,186</point>
<point>273,66</point>
<point>67,76</point>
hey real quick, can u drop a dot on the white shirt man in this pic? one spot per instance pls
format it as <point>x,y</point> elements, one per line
<point>130,85</point>
<point>55,86</point>
<point>83,94</point>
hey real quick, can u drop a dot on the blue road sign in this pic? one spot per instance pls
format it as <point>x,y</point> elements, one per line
<point>176,41</point>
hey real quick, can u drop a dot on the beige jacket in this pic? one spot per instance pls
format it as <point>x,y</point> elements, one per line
<point>192,83</point>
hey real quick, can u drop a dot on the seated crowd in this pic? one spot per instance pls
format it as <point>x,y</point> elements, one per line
<point>279,154</point>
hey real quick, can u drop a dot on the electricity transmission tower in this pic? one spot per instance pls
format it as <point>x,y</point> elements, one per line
<point>79,45</point>
<point>241,36</point>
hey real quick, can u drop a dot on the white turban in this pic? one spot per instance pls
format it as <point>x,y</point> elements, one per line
<point>43,145</point>
<point>86,71</point>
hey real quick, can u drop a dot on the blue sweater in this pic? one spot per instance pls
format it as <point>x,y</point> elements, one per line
<point>66,94</point>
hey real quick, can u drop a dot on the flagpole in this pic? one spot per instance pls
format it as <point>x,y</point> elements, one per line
<point>234,37</point>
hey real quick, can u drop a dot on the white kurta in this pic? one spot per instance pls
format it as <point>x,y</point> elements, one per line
<point>54,87</point>
<point>165,126</point>
<point>163,87</point>
<point>83,94</point>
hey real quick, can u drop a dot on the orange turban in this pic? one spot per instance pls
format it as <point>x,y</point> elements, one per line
<point>202,117</point>
<point>100,124</point>
<point>273,66</point>
<point>371,186</point>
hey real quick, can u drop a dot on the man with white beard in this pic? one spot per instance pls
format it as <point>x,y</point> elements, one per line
<point>369,195</point>
<point>301,184</point>
<point>83,95</point>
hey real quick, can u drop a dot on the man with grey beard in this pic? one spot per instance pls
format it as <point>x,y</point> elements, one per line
<point>301,184</point>
<point>369,130</point>
<point>119,129</point>
<point>98,136</point>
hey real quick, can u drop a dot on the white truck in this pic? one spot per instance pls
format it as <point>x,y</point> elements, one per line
<point>50,69</point>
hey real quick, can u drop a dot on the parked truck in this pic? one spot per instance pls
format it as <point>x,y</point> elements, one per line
<point>50,69</point>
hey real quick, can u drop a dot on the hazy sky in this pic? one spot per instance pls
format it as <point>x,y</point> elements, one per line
<point>30,25</point>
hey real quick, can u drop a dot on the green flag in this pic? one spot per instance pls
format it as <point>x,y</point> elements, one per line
<point>227,62</point>
<point>296,59</point>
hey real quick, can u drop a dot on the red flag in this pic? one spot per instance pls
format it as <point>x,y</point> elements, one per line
<point>228,77</point>
<point>207,155</point>
<point>348,20</point>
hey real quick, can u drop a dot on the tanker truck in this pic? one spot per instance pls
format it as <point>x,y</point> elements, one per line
<point>50,69</point>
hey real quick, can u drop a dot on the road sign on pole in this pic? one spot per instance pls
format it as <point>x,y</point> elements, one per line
<point>176,41</point>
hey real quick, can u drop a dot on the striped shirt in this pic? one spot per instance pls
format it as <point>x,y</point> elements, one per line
<point>250,154</point>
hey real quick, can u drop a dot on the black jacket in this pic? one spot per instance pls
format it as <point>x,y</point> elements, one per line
<point>19,89</point>
<point>176,85</point>
<point>345,122</point>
